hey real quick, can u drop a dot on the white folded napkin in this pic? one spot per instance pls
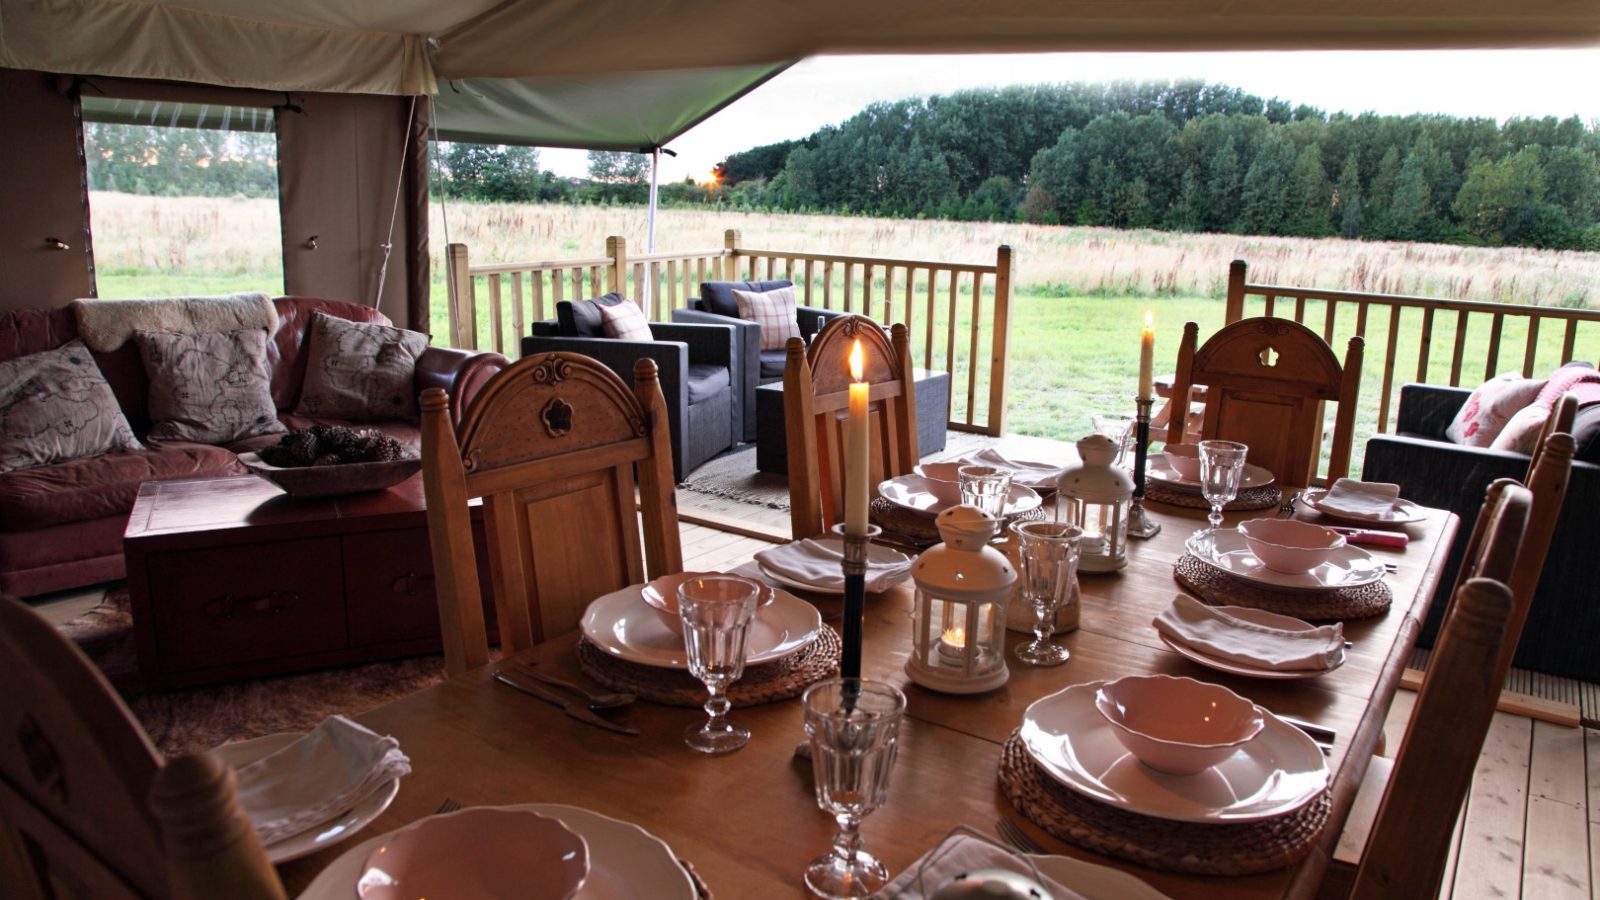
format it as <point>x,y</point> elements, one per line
<point>1032,474</point>
<point>820,565</point>
<point>317,777</point>
<point>1360,498</point>
<point>1215,633</point>
<point>955,856</point>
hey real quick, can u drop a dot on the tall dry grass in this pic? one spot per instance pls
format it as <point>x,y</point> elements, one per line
<point>223,236</point>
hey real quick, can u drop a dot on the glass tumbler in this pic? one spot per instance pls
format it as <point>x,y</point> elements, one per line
<point>985,487</point>
<point>854,726</point>
<point>716,611</point>
<point>1047,570</point>
<point>1221,466</point>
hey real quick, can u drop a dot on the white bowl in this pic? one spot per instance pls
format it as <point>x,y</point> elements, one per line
<point>662,594</point>
<point>1177,725</point>
<point>1184,459</point>
<point>944,480</point>
<point>1288,545</point>
<point>478,853</point>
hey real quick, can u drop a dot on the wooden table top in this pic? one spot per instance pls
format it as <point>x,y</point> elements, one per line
<point>748,821</point>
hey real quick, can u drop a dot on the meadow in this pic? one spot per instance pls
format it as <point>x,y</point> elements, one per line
<point>1080,292</point>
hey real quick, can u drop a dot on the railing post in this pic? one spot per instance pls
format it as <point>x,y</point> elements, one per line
<point>730,262</point>
<point>617,273</point>
<point>1237,270</point>
<point>458,280</point>
<point>1000,340</point>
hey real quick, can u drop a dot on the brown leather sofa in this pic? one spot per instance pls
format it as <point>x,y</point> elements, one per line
<point>61,525</point>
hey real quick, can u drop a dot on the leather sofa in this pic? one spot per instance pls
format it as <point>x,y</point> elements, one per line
<point>1559,636</point>
<point>61,525</point>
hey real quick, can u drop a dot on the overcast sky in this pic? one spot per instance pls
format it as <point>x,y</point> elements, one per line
<point>827,90</point>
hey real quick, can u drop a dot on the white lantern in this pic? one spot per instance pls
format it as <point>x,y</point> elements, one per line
<point>1095,495</point>
<point>959,621</point>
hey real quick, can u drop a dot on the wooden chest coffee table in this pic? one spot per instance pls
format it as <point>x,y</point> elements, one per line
<point>232,578</point>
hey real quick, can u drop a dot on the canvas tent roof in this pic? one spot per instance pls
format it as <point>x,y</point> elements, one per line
<point>590,73</point>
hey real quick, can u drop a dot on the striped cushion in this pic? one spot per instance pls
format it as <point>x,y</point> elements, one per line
<point>775,311</point>
<point>626,322</point>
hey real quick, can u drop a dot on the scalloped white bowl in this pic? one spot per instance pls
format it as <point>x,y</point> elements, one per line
<point>1288,545</point>
<point>1184,459</point>
<point>1177,725</point>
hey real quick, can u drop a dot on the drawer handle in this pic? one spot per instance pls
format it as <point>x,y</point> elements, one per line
<point>411,584</point>
<point>228,606</point>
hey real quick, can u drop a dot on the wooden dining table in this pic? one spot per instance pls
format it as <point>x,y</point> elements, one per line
<point>748,821</point>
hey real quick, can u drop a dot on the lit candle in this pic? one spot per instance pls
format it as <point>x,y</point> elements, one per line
<point>1147,347</point>
<point>857,463</point>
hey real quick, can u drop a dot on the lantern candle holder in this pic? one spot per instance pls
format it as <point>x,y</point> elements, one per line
<point>1096,495</point>
<point>959,618</point>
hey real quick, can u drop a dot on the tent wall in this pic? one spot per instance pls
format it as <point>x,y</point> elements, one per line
<point>43,194</point>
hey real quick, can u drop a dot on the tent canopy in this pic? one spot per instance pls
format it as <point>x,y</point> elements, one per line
<point>581,73</point>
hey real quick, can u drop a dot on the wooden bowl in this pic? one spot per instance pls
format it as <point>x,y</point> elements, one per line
<point>333,481</point>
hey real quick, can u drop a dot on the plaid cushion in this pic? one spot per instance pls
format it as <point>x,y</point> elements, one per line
<point>625,321</point>
<point>776,313</point>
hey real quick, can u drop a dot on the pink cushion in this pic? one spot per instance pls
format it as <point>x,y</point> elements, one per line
<point>625,321</point>
<point>775,311</point>
<point>1522,429</point>
<point>1489,408</point>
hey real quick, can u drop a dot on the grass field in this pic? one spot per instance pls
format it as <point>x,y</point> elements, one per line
<point>1080,292</point>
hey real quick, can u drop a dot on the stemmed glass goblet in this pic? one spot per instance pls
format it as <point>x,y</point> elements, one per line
<point>854,727</point>
<point>716,611</point>
<point>1221,465</point>
<point>1047,570</point>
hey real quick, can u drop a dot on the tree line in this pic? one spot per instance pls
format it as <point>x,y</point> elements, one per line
<point>1190,156</point>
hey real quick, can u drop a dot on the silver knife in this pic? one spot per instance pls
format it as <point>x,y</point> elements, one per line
<point>570,707</point>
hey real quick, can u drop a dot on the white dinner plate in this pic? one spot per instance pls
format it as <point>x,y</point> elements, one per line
<point>1404,511</point>
<point>322,834</point>
<point>625,861</point>
<point>1225,549</point>
<point>623,625</point>
<point>876,554</point>
<point>1233,667</point>
<point>1159,469</point>
<point>1095,882</point>
<point>1277,772</point>
<point>915,493</point>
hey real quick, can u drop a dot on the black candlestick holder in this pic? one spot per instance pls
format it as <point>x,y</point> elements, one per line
<point>1139,524</point>
<point>855,596</point>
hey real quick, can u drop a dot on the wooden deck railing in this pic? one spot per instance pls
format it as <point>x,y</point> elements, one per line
<point>942,304</point>
<point>1383,319</point>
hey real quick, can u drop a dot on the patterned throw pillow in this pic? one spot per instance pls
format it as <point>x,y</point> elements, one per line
<point>360,371</point>
<point>1490,407</point>
<point>625,321</point>
<point>56,406</point>
<point>210,388</point>
<point>775,311</point>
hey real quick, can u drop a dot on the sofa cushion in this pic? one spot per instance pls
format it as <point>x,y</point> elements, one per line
<point>772,362</point>
<point>582,318</point>
<point>94,487</point>
<point>707,381</point>
<point>625,322</point>
<point>775,311</point>
<point>210,388</point>
<point>363,372</point>
<point>1586,433</point>
<point>288,351</point>
<point>55,406</point>
<point>717,296</point>
<point>1490,407</point>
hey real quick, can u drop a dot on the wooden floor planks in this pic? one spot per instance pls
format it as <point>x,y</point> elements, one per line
<point>1555,861</point>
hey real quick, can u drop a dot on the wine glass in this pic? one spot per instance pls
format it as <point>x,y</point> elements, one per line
<point>854,728</point>
<point>1047,569</point>
<point>1117,427</point>
<point>1221,465</point>
<point>985,487</point>
<point>716,611</point>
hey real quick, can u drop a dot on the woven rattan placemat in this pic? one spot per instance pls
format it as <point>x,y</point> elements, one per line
<point>1264,497</point>
<point>1241,848</point>
<point>1221,589</point>
<point>776,680</point>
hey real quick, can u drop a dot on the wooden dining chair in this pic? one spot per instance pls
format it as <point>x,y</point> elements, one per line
<point>557,446</point>
<point>1266,381</point>
<point>816,383</point>
<point>87,809</point>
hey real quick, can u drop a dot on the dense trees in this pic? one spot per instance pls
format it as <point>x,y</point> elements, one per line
<point>1191,156</point>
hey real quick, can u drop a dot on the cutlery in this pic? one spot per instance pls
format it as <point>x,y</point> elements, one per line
<point>596,701</point>
<point>1368,536</point>
<point>581,713</point>
<point>1286,508</point>
<point>1013,834</point>
<point>1321,734</point>
<point>448,806</point>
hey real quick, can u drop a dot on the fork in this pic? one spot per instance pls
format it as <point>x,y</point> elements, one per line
<point>1286,508</point>
<point>448,806</point>
<point>595,701</point>
<point>1016,837</point>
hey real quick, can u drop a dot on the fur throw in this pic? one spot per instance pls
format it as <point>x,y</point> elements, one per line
<point>106,325</point>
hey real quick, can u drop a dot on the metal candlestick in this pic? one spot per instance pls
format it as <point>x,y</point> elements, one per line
<point>855,595</point>
<point>1139,524</point>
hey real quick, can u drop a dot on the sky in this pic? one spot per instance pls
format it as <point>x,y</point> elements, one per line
<point>826,90</point>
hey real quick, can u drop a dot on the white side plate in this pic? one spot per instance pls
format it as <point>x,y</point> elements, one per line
<point>1226,550</point>
<point>914,492</point>
<point>623,625</point>
<point>1160,470</point>
<point>1404,511</point>
<point>1260,617</point>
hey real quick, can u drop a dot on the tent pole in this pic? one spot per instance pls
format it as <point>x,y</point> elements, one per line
<point>648,287</point>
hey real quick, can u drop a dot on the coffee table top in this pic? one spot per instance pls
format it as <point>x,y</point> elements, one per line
<point>252,505</point>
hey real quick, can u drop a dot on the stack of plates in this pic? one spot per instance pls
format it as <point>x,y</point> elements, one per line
<point>1226,551</point>
<point>1275,774</point>
<point>623,625</point>
<point>921,495</point>
<point>1158,469</point>
<point>877,555</point>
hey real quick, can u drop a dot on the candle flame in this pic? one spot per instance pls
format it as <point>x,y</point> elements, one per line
<point>1149,318</point>
<point>857,360</point>
<point>955,637</point>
